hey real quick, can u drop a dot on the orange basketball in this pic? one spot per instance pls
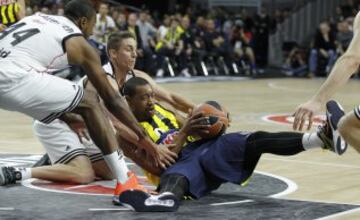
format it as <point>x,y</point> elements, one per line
<point>218,117</point>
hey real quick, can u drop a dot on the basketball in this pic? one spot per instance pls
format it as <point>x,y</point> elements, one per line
<point>218,117</point>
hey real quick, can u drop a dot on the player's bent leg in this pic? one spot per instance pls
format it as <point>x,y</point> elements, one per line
<point>98,125</point>
<point>78,170</point>
<point>349,128</point>
<point>103,135</point>
<point>102,170</point>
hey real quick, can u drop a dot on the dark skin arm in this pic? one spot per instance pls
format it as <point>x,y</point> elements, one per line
<point>76,123</point>
<point>81,53</point>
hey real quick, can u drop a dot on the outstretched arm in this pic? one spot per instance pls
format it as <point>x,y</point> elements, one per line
<point>81,53</point>
<point>343,69</point>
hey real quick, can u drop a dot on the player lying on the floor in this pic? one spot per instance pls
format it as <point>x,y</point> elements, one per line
<point>80,161</point>
<point>204,165</point>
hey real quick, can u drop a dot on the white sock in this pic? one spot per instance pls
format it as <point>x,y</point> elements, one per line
<point>117,165</point>
<point>311,140</point>
<point>25,173</point>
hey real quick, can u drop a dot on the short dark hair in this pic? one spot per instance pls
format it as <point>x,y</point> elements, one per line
<point>76,9</point>
<point>130,85</point>
<point>115,39</point>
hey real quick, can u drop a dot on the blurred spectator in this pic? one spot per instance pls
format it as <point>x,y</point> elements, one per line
<point>147,30</point>
<point>200,26</point>
<point>324,48</point>
<point>193,52</point>
<point>164,27</point>
<point>133,28</point>
<point>343,36</point>
<point>338,14</point>
<point>228,25</point>
<point>262,26</point>
<point>217,45</point>
<point>29,11</point>
<point>104,24</point>
<point>60,11</point>
<point>241,44</point>
<point>170,46</point>
<point>295,64</point>
<point>348,9</point>
<point>143,55</point>
<point>121,21</point>
<point>45,10</point>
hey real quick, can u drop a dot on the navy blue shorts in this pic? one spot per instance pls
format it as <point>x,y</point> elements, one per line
<point>208,164</point>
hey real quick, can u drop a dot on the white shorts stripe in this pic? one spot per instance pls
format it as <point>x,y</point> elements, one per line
<point>357,112</point>
<point>71,155</point>
<point>74,103</point>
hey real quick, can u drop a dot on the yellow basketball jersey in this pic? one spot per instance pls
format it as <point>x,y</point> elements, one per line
<point>162,125</point>
<point>8,11</point>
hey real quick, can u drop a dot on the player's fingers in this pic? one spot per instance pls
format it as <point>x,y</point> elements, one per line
<point>299,118</point>
<point>170,160</point>
<point>196,116</point>
<point>162,165</point>
<point>201,121</point>
<point>200,126</point>
<point>172,155</point>
<point>311,118</point>
<point>304,118</point>
<point>296,119</point>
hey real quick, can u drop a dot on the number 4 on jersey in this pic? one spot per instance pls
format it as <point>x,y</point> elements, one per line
<point>19,36</point>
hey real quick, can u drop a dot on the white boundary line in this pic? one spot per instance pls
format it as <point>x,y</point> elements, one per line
<point>322,201</point>
<point>7,208</point>
<point>339,214</point>
<point>274,85</point>
<point>292,186</point>
<point>109,209</point>
<point>314,163</point>
<point>230,203</point>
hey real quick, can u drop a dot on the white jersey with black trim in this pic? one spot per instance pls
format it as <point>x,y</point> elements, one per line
<point>37,42</point>
<point>109,69</point>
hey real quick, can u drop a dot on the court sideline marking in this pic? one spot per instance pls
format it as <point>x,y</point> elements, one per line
<point>7,208</point>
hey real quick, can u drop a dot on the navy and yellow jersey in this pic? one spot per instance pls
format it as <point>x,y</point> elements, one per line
<point>8,12</point>
<point>162,123</point>
<point>161,128</point>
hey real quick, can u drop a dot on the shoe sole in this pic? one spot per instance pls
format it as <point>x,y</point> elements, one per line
<point>334,112</point>
<point>137,200</point>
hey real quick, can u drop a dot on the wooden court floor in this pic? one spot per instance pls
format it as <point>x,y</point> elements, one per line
<point>319,175</point>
